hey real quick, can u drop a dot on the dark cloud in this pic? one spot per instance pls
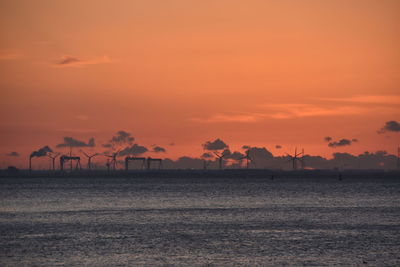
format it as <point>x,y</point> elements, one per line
<point>41,152</point>
<point>327,139</point>
<point>260,153</point>
<point>278,146</point>
<point>159,149</point>
<point>67,60</point>
<point>207,155</point>
<point>354,140</point>
<point>13,154</point>
<point>122,138</point>
<point>135,149</point>
<point>71,142</point>
<point>390,126</point>
<point>172,144</point>
<point>107,145</point>
<point>217,144</point>
<point>341,142</point>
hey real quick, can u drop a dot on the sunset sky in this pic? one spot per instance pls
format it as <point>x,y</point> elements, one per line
<point>260,73</point>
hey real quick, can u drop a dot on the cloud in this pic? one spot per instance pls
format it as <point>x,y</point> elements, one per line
<point>342,142</point>
<point>82,117</point>
<point>73,61</point>
<point>135,149</point>
<point>13,154</point>
<point>230,118</point>
<point>159,149</point>
<point>77,130</point>
<point>288,111</point>
<point>41,152</point>
<point>365,99</point>
<point>260,153</point>
<point>10,54</point>
<point>120,139</point>
<point>327,139</point>
<point>217,144</point>
<point>207,155</point>
<point>107,145</point>
<point>71,142</point>
<point>390,126</point>
<point>278,146</point>
<point>236,155</point>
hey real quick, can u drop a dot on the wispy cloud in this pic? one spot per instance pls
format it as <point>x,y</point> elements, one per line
<point>72,130</point>
<point>326,107</point>
<point>220,117</point>
<point>287,111</point>
<point>365,99</point>
<point>82,117</point>
<point>10,54</point>
<point>73,61</point>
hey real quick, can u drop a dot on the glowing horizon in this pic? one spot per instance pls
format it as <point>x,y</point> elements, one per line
<point>260,73</point>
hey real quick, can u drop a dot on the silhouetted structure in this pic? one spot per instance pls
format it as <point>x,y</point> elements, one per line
<point>398,158</point>
<point>220,159</point>
<point>108,165</point>
<point>150,160</point>
<point>89,163</point>
<point>248,159</point>
<point>127,159</point>
<point>53,158</point>
<point>206,163</point>
<point>295,158</point>
<point>30,163</point>
<point>113,161</point>
<point>64,159</point>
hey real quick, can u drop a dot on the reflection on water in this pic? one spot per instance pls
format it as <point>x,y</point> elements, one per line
<point>199,222</point>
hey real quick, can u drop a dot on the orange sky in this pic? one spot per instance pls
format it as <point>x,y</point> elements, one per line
<point>249,72</point>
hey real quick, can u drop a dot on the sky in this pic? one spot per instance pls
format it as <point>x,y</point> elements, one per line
<point>178,73</point>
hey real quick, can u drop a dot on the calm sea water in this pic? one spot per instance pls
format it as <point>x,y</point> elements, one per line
<point>189,222</point>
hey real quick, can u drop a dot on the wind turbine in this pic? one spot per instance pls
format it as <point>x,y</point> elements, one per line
<point>220,158</point>
<point>53,158</point>
<point>295,157</point>
<point>248,159</point>
<point>113,160</point>
<point>89,164</point>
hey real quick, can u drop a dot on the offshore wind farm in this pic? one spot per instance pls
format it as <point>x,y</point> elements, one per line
<point>199,133</point>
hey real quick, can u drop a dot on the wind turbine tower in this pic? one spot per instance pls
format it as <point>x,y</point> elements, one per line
<point>248,159</point>
<point>53,158</point>
<point>220,159</point>
<point>113,161</point>
<point>295,158</point>
<point>89,157</point>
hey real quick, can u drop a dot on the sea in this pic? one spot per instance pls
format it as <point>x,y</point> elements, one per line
<point>122,221</point>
